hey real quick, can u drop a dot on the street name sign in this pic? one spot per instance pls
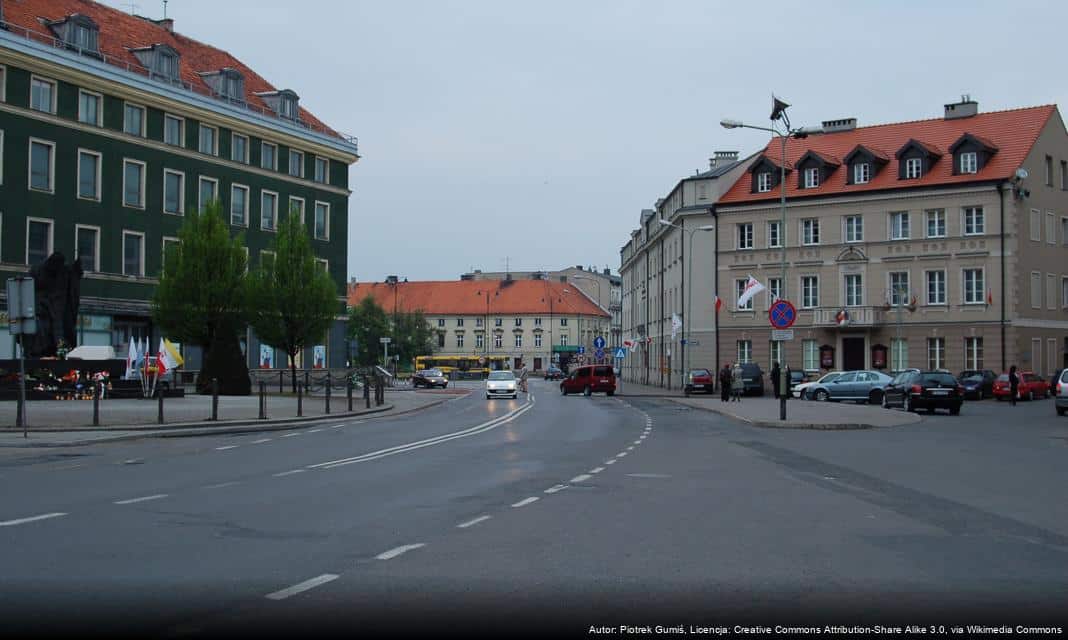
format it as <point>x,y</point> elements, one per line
<point>782,334</point>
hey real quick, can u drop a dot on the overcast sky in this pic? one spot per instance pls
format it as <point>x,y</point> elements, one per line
<point>537,131</point>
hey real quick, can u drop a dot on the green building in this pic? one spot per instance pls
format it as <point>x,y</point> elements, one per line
<point>112,126</point>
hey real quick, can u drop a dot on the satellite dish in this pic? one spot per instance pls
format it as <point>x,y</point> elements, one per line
<point>1021,173</point>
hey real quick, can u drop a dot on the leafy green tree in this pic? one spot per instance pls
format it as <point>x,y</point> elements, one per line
<point>292,300</point>
<point>201,297</point>
<point>412,336</point>
<point>368,323</point>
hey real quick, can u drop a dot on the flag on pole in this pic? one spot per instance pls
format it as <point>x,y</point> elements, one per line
<point>167,357</point>
<point>676,324</point>
<point>989,297</point>
<point>718,302</point>
<point>131,360</point>
<point>752,287</point>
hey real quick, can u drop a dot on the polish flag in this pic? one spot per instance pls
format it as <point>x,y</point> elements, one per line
<point>719,303</point>
<point>989,297</point>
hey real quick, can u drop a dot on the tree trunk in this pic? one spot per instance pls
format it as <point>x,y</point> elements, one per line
<point>223,360</point>
<point>293,369</point>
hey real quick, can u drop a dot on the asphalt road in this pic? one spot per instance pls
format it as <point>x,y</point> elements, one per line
<point>551,514</point>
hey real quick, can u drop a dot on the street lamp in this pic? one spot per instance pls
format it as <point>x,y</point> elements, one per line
<point>689,292</point>
<point>778,113</point>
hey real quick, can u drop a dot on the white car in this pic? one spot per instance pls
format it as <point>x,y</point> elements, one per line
<point>501,384</point>
<point>798,391</point>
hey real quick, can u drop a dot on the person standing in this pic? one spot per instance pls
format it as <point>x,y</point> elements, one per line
<point>522,374</point>
<point>737,386</point>
<point>1014,384</point>
<point>725,383</point>
<point>775,373</point>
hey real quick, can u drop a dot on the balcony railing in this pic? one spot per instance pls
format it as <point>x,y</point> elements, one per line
<point>857,317</point>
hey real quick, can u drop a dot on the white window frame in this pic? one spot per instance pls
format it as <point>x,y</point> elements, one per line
<point>738,295</point>
<point>274,165</point>
<point>779,240</point>
<point>480,341</point>
<point>140,234</point>
<point>126,106</point>
<point>894,230</point>
<point>927,288</point>
<point>326,170</point>
<point>248,206</point>
<point>939,352</point>
<point>141,187</point>
<point>862,173</point>
<point>96,178</point>
<point>303,205</point>
<point>853,298</point>
<point>1051,228</point>
<point>163,249</point>
<point>325,264</point>
<point>935,215</point>
<point>289,169</point>
<point>34,78</point>
<point>913,168</point>
<point>810,236</point>
<point>1064,219</point>
<point>974,297</point>
<point>181,192</point>
<point>810,355</point>
<point>976,213</point>
<point>744,350</point>
<point>816,289</point>
<point>274,214</point>
<point>498,340</point>
<point>200,192</point>
<point>1051,291</point>
<point>774,289</point>
<point>233,137</point>
<point>1,156</point>
<point>181,129</point>
<point>537,340</point>
<point>517,341</point>
<point>890,287</point>
<point>764,182</point>
<point>1064,292</point>
<point>1036,225</point>
<point>51,166</point>
<point>774,352</point>
<point>856,233</point>
<point>214,139</point>
<point>812,177</point>
<point>899,354</point>
<point>1036,301</point>
<point>51,238</point>
<point>96,249</point>
<point>745,232</point>
<point>3,83</point>
<point>99,107</point>
<point>969,162</point>
<point>325,238</point>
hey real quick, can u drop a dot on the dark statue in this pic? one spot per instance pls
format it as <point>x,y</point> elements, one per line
<point>57,288</point>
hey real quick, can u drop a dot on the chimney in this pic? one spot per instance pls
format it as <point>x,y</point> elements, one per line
<point>579,267</point>
<point>166,23</point>
<point>391,279</point>
<point>607,271</point>
<point>722,158</point>
<point>966,108</point>
<point>841,124</point>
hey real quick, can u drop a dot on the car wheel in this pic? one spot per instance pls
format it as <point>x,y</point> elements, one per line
<point>1061,410</point>
<point>587,391</point>
<point>906,403</point>
<point>445,386</point>
<point>487,396</point>
<point>876,396</point>
<point>611,393</point>
<point>563,391</point>
<point>822,395</point>
<point>999,398</point>
<point>886,403</point>
<point>954,411</point>
<point>1030,395</point>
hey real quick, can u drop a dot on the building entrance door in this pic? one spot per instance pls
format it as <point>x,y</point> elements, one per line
<point>852,354</point>
<point>537,364</point>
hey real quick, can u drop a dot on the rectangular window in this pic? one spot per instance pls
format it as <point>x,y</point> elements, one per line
<point>899,225</point>
<point>133,120</point>
<point>1036,225</point>
<point>3,84</point>
<point>173,192</point>
<point>861,173</point>
<point>1051,228</point>
<point>537,340</point>
<point>89,174</point>
<point>969,162</point>
<point>913,168</point>
<point>774,235</point>
<point>936,353</point>
<point>739,289</point>
<point>267,258</point>
<point>563,322</point>
<point>776,352</point>
<point>478,322</point>
<point>441,322</point>
<point>296,163</point>
<point>854,229</point>
<point>296,207</point>
<point>459,340</point>
<point>173,130</point>
<point>1064,174</point>
<point>774,290</point>
<point>89,107</point>
<point>537,322</point>
<point>810,355</point>
<point>499,322</point>
<point>810,231</point>
<point>854,290</point>
<point>1064,221</point>
<point>38,240</point>
<point>1049,171</point>
<point>936,287</point>
<point>974,286</point>
<point>1036,290</point>
<point>269,156</point>
<point>133,253</point>
<point>441,340</point>
<point>42,95</point>
<point>480,341</point>
<point>322,221</point>
<point>208,192</point>
<point>268,211</point>
<point>899,287</point>
<point>239,148</point>
<point>745,351</point>
<point>518,340</point>
<point>1,151</point>
<point>812,177</point>
<point>745,235</point>
<point>322,170</point>
<point>459,322</point>
<point>239,205</point>
<point>209,140</point>
<point>519,322</point>
<point>936,223</point>
<point>498,341</point>
<point>974,221</point>
<point>973,353</point>
<point>1051,291</point>
<point>764,182</point>
<point>87,241</point>
<point>1064,292</point>
<point>810,292</point>
<point>42,165</point>
<point>133,184</point>
<point>899,354</point>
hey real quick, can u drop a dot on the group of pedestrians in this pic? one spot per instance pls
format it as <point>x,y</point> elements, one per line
<point>731,385</point>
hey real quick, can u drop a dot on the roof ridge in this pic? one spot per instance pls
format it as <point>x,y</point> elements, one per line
<point>900,122</point>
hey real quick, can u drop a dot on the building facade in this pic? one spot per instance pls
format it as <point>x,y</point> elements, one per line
<point>113,126</point>
<point>536,322</point>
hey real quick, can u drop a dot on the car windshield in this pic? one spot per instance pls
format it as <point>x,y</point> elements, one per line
<point>431,372</point>
<point>1003,377</point>
<point>829,377</point>
<point>939,378</point>
<point>975,378</point>
<point>501,375</point>
<point>700,372</point>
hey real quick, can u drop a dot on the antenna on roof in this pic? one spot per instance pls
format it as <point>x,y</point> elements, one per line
<point>164,9</point>
<point>133,7</point>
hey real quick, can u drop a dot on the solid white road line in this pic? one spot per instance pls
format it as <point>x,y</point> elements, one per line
<point>262,440</point>
<point>393,553</point>
<point>46,516</point>
<point>555,488</point>
<point>621,455</point>
<point>142,499</point>
<point>638,441</point>
<point>220,485</point>
<point>290,435</point>
<point>288,473</point>
<point>314,430</point>
<point>596,470</point>
<point>582,478</point>
<point>610,461</point>
<point>229,446</point>
<point>303,586</point>
<point>630,448</point>
<point>524,502</point>
<point>470,523</point>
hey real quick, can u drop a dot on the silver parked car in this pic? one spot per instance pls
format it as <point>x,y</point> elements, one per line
<point>798,391</point>
<point>501,384</point>
<point>858,386</point>
<point>1060,390</point>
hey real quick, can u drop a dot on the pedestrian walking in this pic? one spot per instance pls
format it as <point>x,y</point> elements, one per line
<point>522,375</point>
<point>1014,385</point>
<point>725,383</point>
<point>737,386</point>
<point>775,373</point>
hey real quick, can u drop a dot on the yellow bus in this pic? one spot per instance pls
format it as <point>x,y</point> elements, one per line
<point>464,365</point>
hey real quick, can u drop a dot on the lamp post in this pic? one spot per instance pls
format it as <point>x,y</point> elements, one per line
<point>689,292</point>
<point>778,114</point>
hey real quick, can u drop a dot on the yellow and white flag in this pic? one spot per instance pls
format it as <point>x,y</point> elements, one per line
<point>168,357</point>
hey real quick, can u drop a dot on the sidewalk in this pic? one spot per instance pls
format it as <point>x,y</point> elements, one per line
<point>800,414</point>
<point>69,422</point>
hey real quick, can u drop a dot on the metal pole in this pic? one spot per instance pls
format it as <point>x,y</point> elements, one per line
<point>348,392</point>
<point>263,400</point>
<point>214,398</point>
<point>96,403</point>
<point>21,417</point>
<point>782,281</point>
<point>367,392</point>
<point>280,383</point>
<point>300,401</point>
<point>326,395</point>
<point>715,289</point>
<point>159,398</point>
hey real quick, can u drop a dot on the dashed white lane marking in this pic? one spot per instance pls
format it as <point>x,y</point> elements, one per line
<point>393,553</point>
<point>610,461</point>
<point>596,470</point>
<point>44,516</point>
<point>582,478</point>
<point>262,440</point>
<point>336,426</point>
<point>314,430</point>
<point>638,441</point>
<point>142,499</point>
<point>621,455</point>
<point>303,586</point>
<point>524,502</point>
<point>630,448</point>
<point>221,485</point>
<point>555,488</point>
<point>471,523</point>
<point>229,446</point>
<point>288,473</point>
<point>290,435</point>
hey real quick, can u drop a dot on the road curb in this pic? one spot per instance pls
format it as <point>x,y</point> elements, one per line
<point>766,424</point>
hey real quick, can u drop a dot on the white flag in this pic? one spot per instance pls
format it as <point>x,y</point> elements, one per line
<point>676,324</point>
<point>752,287</point>
<point>131,360</point>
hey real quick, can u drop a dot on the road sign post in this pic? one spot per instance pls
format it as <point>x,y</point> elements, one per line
<point>22,320</point>
<point>620,354</point>
<point>782,315</point>
<point>385,347</point>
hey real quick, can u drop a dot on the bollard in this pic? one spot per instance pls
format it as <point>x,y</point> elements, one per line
<point>96,403</point>
<point>280,389</point>
<point>348,392</point>
<point>367,392</point>
<point>159,396</point>
<point>214,398</point>
<point>263,400</point>
<point>326,394</point>
<point>306,385</point>
<point>300,401</point>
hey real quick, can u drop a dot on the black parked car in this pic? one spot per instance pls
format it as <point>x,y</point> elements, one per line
<point>978,383</point>
<point>752,379</point>
<point>930,390</point>
<point>554,373</point>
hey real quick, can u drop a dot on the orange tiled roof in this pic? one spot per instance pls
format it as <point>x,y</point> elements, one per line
<point>1012,132</point>
<point>120,32</point>
<point>467,297</point>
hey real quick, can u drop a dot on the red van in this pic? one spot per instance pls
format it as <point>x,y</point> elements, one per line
<point>589,379</point>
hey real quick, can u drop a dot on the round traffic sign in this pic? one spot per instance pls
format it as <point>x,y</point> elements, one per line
<point>782,314</point>
<point>598,342</point>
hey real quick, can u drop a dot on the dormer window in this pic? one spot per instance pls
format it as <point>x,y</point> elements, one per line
<point>915,159</point>
<point>78,32</point>
<point>160,60</point>
<point>765,174</point>
<point>288,108</point>
<point>286,103</point>
<point>864,164</point>
<point>764,181</point>
<point>971,153</point>
<point>227,83</point>
<point>861,172</point>
<point>812,177</point>
<point>968,162</point>
<point>913,168</point>
<point>814,168</point>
